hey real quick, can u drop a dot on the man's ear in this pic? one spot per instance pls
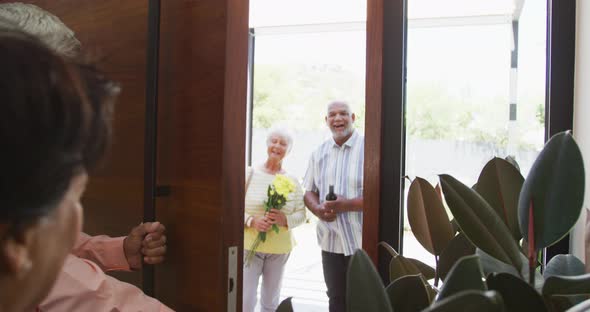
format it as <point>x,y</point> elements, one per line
<point>353,116</point>
<point>326,119</point>
<point>15,257</point>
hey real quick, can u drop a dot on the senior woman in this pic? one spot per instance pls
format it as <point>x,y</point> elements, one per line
<point>53,129</point>
<point>271,255</point>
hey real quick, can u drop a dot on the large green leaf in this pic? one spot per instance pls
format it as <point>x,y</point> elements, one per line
<point>499,184</point>
<point>365,291</point>
<point>470,300</point>
<point>564,302</point>
<point>567,285</point>
<point>408,294</point>
<point>582,307</point>
<point>401,266</point>
<point>517,295</point>
<point>564,265</point>
<point>389,249</point>
<point>492,265</point>
<point>285,305</point>
<point>459,247</point>
<point>426,270</point>
<point>428,218</point>
<point>553,192</point>
<point>480,222</point>
<point>466,274</point>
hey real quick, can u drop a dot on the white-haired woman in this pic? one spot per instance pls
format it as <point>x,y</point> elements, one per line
<point>271,256</point>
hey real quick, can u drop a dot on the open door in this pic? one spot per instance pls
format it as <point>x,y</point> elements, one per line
<point>201,152</point>
<point>200,139</point>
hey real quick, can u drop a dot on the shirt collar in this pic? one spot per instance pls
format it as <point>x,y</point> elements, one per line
<point>350,142</point>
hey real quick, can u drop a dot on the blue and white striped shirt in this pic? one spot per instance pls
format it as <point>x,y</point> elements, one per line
<point>341,166</point>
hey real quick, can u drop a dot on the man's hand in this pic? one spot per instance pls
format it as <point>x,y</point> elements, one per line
<point>325,213</point>
<point>145,243</point>
<point>261,223</point>
<point>338,205</point>
<point>277,217</point>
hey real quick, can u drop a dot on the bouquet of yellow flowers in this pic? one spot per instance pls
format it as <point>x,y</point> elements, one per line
<point>277,194</point>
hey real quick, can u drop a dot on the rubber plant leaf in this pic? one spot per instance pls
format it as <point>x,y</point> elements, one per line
<point>479,222</point>
<point>553,193</point>
<point>499,184</point>
<point>408,294</point>
<point>365,291</point>
<point>516,293</point>
<point>466,274</point>
<point>428,217</point>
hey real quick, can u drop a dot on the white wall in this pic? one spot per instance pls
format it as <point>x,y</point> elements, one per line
<point>582,112</point>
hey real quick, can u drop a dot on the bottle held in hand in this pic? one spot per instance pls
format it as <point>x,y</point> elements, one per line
<point>331,195</point>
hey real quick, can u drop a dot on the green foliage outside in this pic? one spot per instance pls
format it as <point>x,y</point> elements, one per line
<point>297,95</point>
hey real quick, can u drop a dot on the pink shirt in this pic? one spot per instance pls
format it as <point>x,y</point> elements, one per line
<point>83,286</point>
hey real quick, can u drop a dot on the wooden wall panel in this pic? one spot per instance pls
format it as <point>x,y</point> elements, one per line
<point>115,33</point>
<point>201,148</point>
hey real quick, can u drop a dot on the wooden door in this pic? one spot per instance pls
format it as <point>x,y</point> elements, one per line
<point>201,148</point>
<point>200,151</point>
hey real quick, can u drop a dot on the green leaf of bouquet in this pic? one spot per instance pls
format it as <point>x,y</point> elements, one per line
<point>567,285</point>
<point>428,218</point>
<point>466,274</point>
<point>365,291</point>
<point>480,222</point>
<point>459,247</point>
<point>564,265</point>
<point>516,293</point>
<point>470,300</point>
<point>408,294</point>
<point>499,184</point>
<point>555,187</point>
<point>285,306</point>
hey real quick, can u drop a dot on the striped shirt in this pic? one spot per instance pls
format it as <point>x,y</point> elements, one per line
<point>341,166</point>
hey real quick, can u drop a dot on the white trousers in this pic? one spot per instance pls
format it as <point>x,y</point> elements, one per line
<point>271,267</point>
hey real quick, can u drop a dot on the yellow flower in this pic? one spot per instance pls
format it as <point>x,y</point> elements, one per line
<point>283,185</point>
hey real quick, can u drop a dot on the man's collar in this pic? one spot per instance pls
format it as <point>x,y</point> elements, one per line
<point>350,142</point>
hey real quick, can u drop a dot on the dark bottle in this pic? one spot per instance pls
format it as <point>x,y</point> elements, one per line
<point>331,195</point>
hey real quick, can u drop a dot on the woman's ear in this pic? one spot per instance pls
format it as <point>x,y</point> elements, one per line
<point>15,256</point>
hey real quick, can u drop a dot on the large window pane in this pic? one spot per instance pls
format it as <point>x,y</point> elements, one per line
<point>475,90</point>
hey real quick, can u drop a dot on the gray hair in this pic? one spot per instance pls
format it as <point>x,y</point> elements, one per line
<point>342,102</point>
<point>39,23</point>
<point>282,132</point>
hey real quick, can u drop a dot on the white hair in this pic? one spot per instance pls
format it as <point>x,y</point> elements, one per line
<point>39,23</point>
<point>282,132</point>
<point>341,102</point>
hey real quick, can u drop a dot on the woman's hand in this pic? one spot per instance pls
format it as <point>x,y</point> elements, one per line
<point>277,217</point>
<point>261,223</point>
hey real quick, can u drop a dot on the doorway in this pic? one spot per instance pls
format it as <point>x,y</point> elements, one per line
<point>299,63</point>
